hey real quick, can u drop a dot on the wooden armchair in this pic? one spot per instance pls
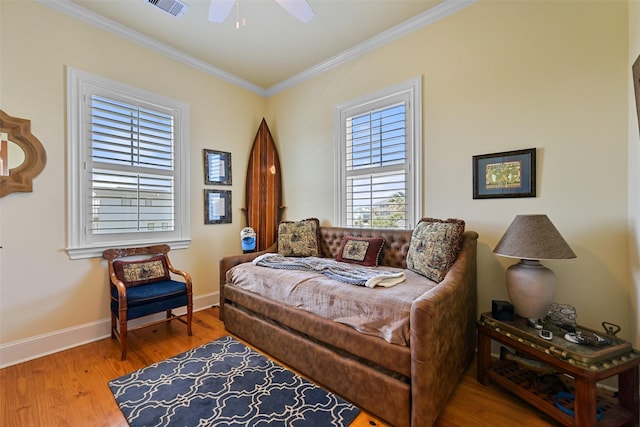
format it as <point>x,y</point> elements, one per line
<point>141,284</point>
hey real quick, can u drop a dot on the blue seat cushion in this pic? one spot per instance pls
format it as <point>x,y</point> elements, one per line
<point>143,300</point>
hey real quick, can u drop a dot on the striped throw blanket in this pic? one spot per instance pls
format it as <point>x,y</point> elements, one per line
<point>344,272</point>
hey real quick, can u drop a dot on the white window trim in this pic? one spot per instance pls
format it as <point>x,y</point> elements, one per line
<point>411,90</point>
<point>78,246</point>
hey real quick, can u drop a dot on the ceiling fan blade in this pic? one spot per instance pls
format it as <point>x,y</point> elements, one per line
<point>219,10</point>
<point>298,8</point>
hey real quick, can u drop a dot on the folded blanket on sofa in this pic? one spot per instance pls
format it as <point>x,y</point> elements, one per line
<point>341,271</point>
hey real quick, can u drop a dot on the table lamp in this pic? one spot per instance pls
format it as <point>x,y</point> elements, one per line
<point>531,285</point>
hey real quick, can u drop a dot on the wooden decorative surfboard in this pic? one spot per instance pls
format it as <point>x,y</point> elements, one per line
<point>264,188</point>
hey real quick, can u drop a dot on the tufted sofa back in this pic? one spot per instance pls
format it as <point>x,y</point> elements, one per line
<point>394,252</point>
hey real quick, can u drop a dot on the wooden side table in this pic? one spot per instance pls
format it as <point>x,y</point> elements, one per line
<point>578,367</point>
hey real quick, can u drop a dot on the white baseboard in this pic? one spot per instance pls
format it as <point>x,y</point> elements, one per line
<point>31,348</point>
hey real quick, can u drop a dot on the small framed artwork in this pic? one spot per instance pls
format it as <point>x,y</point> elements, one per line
<point>506,174</point>
<point>217,206</point>
<point>217,167</point>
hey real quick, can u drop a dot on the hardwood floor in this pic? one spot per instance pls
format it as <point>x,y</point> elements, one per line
<point>69,388</point>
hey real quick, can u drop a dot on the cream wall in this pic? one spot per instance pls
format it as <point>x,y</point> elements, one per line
<point>41,290</point>
<point>499,76</point>
<point>634,167</point>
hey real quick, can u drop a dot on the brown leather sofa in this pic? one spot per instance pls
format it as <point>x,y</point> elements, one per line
<point>405,386</point>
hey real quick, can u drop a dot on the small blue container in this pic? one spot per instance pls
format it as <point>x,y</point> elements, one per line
<point>248,239</point>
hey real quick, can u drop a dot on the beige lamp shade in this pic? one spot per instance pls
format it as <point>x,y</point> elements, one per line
<point>532,286</point>
<point>533,237</point>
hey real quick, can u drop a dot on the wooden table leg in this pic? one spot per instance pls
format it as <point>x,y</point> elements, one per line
<point>585,402</point>
<point>628,393</point>
<point>484,356</point>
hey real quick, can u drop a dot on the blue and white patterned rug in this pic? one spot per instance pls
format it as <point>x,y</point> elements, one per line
<point>225,383</point>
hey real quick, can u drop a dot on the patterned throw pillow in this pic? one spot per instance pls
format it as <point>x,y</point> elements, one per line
<point>434,247</point>
<point>149,270</point>
<point>299,238</point>
<point>360,250</point>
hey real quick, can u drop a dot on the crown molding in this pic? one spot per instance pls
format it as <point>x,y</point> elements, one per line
<point>99,21</point>
<point>434,14</point>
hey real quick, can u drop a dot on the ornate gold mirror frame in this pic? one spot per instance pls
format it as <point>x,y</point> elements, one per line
<point>635,69</point>
<point>20,177</point>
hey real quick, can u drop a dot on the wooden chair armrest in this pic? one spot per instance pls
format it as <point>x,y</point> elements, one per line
<point>120,287</point>
<point>187,276</point>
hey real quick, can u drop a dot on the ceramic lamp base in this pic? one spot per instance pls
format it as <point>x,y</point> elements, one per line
<point>531,288</point>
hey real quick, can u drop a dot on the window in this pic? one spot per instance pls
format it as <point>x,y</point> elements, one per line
<point>378,162</point>
<point>128,167</point>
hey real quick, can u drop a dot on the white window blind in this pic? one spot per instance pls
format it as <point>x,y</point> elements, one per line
<point>128,167</point>
<point>378,159</point>
<point>132,184</point>
<point>376,155</point>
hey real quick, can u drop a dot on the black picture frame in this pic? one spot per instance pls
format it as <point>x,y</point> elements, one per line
<point>217,206</point>
<point>505,174</point>
<point>217,167</point>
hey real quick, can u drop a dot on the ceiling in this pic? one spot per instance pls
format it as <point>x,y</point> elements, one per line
<point>273,49</point>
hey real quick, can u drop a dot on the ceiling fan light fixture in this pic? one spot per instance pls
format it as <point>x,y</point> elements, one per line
<point>238,20</point>
<point>220,9</point>
<point>300,9</point>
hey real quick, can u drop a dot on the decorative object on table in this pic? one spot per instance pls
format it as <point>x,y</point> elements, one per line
<point>586,338</point>
<point>217,167</point>
<point>225,383</point>
<point>532,286</point>
<point>264,188</point>
<point>248,240</point>
<point>22,155</point>
<point>545,334</point>
<point>562,315</point>
<point>506,174</point>
<point>611,328</point>
<point>217,206</point>
<point>502,310</point>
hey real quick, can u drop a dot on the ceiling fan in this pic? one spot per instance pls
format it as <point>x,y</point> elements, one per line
<point>300,9</point>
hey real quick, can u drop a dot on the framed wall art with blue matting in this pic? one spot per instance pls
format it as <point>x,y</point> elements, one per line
<point>506,174</point>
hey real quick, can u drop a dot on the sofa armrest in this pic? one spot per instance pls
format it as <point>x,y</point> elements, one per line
<point>226,263</point>
<point>443,335</point>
